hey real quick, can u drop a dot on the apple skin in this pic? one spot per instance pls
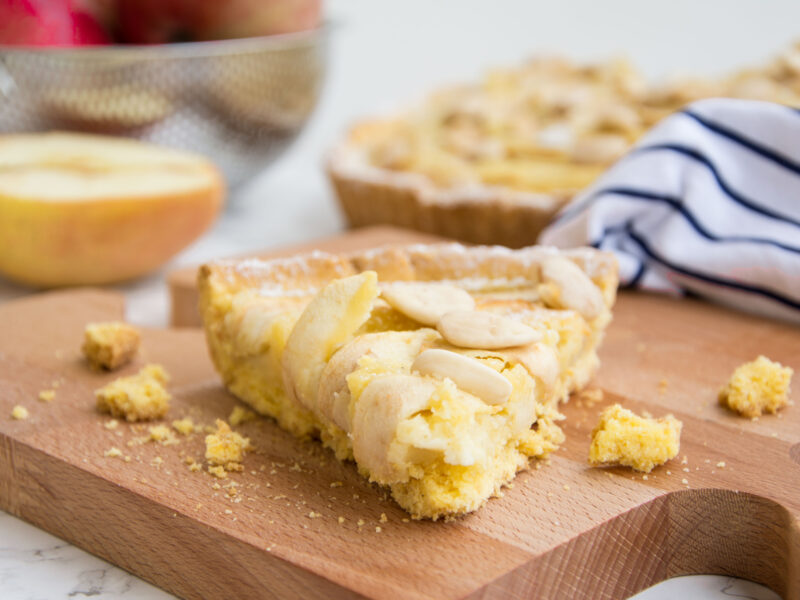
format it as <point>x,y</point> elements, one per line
<point>49,23</point>
<point>153,21</point>
<point>54,244</point>
<point>250,18</point>
<point>164,21</point>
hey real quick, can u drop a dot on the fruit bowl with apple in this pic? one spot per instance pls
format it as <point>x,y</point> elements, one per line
<point>234,80</point>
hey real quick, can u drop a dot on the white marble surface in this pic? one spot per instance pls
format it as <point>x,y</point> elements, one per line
<point>383,53</point>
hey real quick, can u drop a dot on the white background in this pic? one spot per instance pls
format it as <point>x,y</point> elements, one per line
<point>383,54</point>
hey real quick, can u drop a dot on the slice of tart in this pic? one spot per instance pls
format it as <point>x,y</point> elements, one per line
<point>438,369</point>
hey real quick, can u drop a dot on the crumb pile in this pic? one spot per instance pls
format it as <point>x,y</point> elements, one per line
<point>757,387</point>
<point>139,397</point>
<point>184,426</point>
<point>624,438</point>
<point>225,450</point>
<point>19,413</point>
<point>110,345</point>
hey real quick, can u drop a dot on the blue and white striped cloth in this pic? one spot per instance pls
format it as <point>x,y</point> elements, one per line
<point>708,203</point>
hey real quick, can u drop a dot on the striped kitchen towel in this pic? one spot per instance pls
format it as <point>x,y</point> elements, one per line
<point>707,203</point>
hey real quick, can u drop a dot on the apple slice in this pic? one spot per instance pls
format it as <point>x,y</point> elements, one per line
<point>329,321</point>
<point>396,349</point>
<point>384,404</point>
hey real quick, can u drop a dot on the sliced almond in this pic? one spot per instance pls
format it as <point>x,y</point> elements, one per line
<point>469,374</point>
<point>426,302</point>
<point>481,329</point>
<point>614,116</point>
<point>574,289</point>
<point>558,136</point>
<point>603,148</point>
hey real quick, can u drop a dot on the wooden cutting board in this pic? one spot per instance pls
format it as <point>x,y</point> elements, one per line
<point>562,531</point>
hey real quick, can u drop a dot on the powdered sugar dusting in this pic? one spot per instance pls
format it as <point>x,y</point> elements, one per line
<point>298,276</point>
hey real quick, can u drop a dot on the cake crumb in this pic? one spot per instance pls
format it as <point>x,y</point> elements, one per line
<point>592,396</point>
<point>383,518</point>
<point>217,471</point>
<point>241,415</point>
<point>228,511</point>
<point>341,520</point>
<point>110,345</point>
<point>360,522</point>
<point>624,438</point>
<point>19,412</point>
<point>162,434</point>
<point>335,484</point>
<point>757,387</point>
<point>314,515</point>
<point>111,424</point>
<point>113,452</point>
<point>721,464</point>
<point>184,426</point>
<point>566,487</point>
<point>140,397</point>
<point>47,395</point>
<point>378,529</point>
<point>194,467</point>
<point>157,462</point>
<point>226,448</point>
<point>685,481</point>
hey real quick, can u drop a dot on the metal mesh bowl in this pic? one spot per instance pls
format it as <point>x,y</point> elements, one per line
<point>240,102</point>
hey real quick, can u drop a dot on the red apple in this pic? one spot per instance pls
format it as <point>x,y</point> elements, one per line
<point>248,18</point>
<point>153,21</point>
<point>162,21</point>
<point>102,11</point>
<point>48,23</point>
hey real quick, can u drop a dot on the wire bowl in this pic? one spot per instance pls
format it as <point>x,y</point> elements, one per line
<point>240,102</point>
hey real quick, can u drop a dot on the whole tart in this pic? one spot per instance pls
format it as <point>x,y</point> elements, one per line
<point>438,369</point>
<point>493,162</point>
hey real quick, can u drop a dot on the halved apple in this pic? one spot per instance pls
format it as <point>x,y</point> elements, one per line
<point>80,209</point>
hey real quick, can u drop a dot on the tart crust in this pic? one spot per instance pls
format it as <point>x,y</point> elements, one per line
<point>479,214</point>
